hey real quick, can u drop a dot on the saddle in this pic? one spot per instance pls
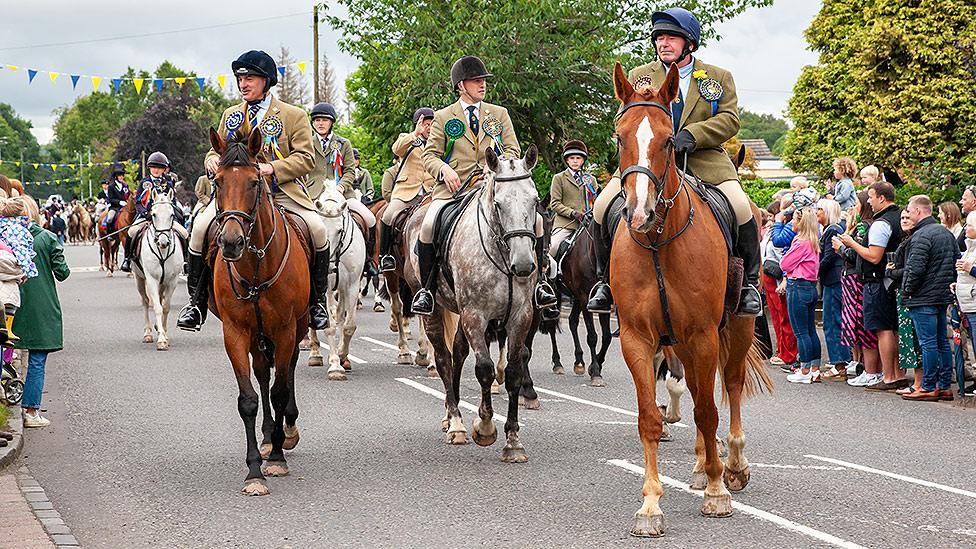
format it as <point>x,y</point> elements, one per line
<point>361,223</point>
<point>567,245</point>
<point>399,224</point>
<point>444,229</point>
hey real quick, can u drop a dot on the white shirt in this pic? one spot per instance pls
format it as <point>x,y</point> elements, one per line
<point>263,107</point>
<point>477,109</point>
<point>685,77</point>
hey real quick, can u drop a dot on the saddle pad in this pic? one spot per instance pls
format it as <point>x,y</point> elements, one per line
<point>721,208</point>
<point>447,218</point>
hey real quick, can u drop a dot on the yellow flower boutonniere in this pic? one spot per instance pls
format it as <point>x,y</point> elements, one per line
<point>699,74</point>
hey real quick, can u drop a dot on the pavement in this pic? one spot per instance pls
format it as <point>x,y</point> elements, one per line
<point>146,449</point>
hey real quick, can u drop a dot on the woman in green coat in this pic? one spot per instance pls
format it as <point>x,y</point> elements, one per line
<point>38,321</point>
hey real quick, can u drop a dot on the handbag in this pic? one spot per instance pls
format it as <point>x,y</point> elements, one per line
<point>772,269</point>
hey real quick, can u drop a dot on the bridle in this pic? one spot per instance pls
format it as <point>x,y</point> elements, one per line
<point>343,246</point>
<point>662,202</point>
<point>501,241</point>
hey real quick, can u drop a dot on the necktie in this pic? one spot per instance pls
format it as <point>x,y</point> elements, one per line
<point>252,111</point>
<point>325,145</point>
<point>473,120</point>
<point>677,107</point>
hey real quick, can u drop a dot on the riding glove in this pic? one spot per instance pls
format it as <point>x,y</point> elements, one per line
<point>684,142</point>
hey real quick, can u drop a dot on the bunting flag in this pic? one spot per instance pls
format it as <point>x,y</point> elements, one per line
<point>37,165</point>
<point>51,182</point>
<point>157,83</point>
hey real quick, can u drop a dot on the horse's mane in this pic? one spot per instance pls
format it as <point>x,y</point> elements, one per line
<point>235,153</point>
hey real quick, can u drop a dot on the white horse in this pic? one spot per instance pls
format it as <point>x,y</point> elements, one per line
<point>158,269</point>
<point>348,253</point>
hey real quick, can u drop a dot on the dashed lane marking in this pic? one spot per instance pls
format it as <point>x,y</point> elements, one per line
<point>353,358</point>
<point>896,476</point>
<point>435,393</point>
<point>595,404</point>
<point>747,509</point>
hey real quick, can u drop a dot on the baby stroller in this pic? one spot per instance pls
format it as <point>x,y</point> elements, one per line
<point>11,386</point>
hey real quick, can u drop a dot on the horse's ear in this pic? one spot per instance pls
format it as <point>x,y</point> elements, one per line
<point>622,87</point>
<point>318,205</point>
<point>254,143</point>
<point>216,141</point>
<point>531,157</point>
<point>491,159</point>
<point>669,89</point>
<point>741,157</point>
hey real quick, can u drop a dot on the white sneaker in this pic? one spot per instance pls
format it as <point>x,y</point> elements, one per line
<point>813,376</point>
<point>852,368</point>
<point>35,420</point>
<point>859,381</point>
<point>874,379</point>
<point>776,361</point>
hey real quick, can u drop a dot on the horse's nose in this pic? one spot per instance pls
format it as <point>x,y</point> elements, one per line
<point>522,268</point>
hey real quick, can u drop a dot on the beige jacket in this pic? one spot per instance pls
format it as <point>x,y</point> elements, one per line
<point>295,144</point>
<point>468,154</point>
<point>568,197</point>
<point>412,176</point>
<point>324,171</point>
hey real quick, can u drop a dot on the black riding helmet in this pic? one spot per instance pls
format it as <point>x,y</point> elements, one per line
<point>468,67</point>
<point>323,110</point>
<point>257,63</point>
<point>158,160</point>
<point>423,113</point>
<point>117,171</point>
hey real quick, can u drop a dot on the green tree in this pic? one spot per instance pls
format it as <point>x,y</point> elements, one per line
<point>16,142</point>
<point>893,87</point>
<point>552,61</point>
<point>761,126</point>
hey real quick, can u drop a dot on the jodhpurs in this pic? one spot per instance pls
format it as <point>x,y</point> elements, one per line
<point>732,189</point>
<point>320,239</point>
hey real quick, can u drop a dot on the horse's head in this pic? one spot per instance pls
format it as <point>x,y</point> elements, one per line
<point>162,215</point>
<point>510,200</point>
<point>332,206</point>
<point>645,143</point>
<point>239,190</point>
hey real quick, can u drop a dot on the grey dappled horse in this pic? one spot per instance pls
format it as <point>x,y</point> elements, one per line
<point>491,255</point>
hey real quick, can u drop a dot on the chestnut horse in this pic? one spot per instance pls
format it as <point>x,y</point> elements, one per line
<point>110,239</point>
<point>260,292</point>
<point>657,231</point>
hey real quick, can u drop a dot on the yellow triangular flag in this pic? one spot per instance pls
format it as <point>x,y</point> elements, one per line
<point>54,167</point>
<point>17,164</point>
<point>301,66</point>
<point>53,75</point>
<point>96,80</point>
<point>180,81</point>
<point>35,164</point>
<point>220,79</point>
<point>89,164</point>
<point>72,166</point>
<point>12,67</point>
<point>138,83</point>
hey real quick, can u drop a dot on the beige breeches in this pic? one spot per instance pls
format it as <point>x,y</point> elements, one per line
<point>320,239</point>
<point>732,189</point>
<point>427,228</point>
<point>357,206</point>
<point>558,235</point>
<point>393,209</point>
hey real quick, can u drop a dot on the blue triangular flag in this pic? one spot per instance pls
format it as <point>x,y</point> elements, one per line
<point>31,73</point>
<point>281,70</point>
<point>159,84</point>
<point>74,80</point>
<point>117,82</point>
<point>201,82</point>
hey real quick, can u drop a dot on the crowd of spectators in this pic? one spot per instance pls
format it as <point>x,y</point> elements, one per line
<point>896,287</point>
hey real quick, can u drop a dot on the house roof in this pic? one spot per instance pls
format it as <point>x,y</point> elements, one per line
<point>759,148</point>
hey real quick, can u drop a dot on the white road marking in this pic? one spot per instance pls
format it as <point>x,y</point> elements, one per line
<point>747,509</point>
<point>384,344</point>
<point>352,358</point>
<point>803,467</point>
<point>434,392</point>
<point>896,476</point>
<point>596,404</point>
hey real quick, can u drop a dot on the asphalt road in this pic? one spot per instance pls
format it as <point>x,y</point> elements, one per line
<point>147,450</point>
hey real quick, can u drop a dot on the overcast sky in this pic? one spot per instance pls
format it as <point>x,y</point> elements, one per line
<point>764,48</point>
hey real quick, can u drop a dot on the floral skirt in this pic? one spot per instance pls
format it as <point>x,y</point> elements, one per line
<point>853,333</point>
<point>909,353</point>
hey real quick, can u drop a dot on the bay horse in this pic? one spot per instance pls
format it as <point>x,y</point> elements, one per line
<point>660,234</point>
<point>260,292</point>
<point>110,239</point>
<point>380,292</point>
<point>158,269</point>
<point>490,255</point>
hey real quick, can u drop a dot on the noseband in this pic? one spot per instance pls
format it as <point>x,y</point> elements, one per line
<point>246,220</point>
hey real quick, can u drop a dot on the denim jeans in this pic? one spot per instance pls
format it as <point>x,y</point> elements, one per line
<point>837,352</point>
<point>801,303</point>
<point>34,384</point>
<point>930,327</point>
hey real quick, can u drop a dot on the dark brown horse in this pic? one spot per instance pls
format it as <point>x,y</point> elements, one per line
<point>690,259</point>
<point>260,292</point>
<point>110,239</point>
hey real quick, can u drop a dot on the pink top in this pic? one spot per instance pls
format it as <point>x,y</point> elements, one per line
<point>801,261</point>
<point>4,247</point>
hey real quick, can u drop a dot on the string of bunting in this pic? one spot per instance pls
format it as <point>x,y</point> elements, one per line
<point>52,182</point>
<point>138,83</point>
<point>37,165</point>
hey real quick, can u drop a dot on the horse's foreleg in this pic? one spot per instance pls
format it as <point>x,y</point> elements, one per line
<point>606,339</point>
<point>262,372</point>
<point>701,361</point>
<point>155,292</point>
<point>451,424</point>
<point>514,452</point>
<point>527,395</point>
<point>378,282</point>
<point>336,371</point>
<point>314,348</point>
<point>483,429</point>
<point>247,407</point>
<point>397,321</point>
<point>348,325</point>
<point>500,366</point>
<point>557,365</point>
<point>596,380</point>
<point>579,368</point>
<point>147,325</point>
<point>638,352</point>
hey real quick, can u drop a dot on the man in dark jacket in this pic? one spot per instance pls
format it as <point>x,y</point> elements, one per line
<point>929,270</point>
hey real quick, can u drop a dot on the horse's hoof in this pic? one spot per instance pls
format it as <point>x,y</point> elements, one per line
<point>109,275</point>
<point>559,370</point>
<point>717,506</point>
<point>346,365</point>
<point>597,381</point>
<point>648,526</point>
<point>422,360</point>
<point>674,418</point>
<point>579,368</point>
<point>379,308</point>
<point>265,450</point>
<point>514,455</point>
<point>305,345</point>
<point>529,403</point>
<point>457,438</point>
<point>699,480</point>
<point>162,346</point>
<point>736,480</point>
<point>404,359</point>
<point>393,327</point>
<point>148,338</point>
<point>255,487</point>
<point>275,469</point>
<point>359,306</point>
<point>337,375</point>
<point>316,361</point>
<point>495,388</point>
<point>487,438</point>
<point>292,436</point>
<point>432,372</point>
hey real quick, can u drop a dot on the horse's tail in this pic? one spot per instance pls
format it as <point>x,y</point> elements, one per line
<point>450,325</point>
<point>384,292</point>
<point>755,380</point>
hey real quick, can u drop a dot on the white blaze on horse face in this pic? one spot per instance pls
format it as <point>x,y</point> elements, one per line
<point>644,136</point>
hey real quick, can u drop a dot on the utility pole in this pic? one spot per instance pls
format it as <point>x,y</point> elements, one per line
<point>315,53</point>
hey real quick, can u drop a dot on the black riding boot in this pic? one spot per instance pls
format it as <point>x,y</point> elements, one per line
<point>193,315</point>
<point>370,268</point>
<point>601,300</point>
<point>545,296</point>
<point>126,266</point>
<point>747,248</point>
<point>319,311</point>
<point>387,261</point>
<point>423,302</point>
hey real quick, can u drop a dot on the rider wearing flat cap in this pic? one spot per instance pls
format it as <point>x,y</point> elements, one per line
<point>705,115</point>
<point>288,145</point>
<point>455,156</point>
